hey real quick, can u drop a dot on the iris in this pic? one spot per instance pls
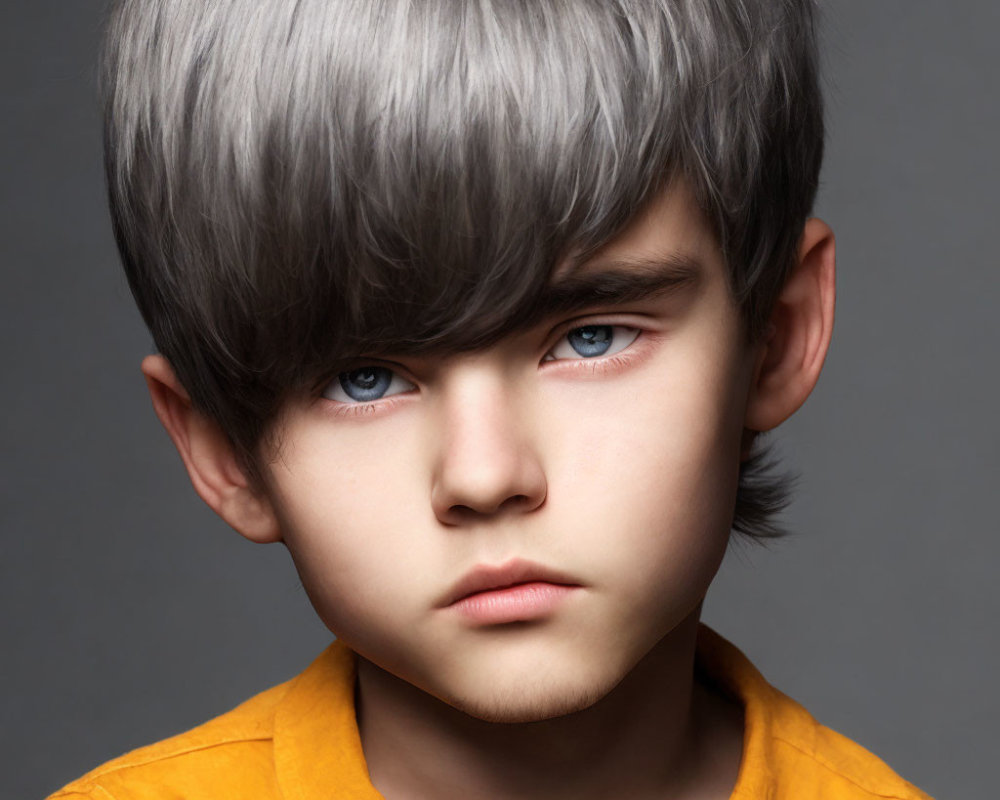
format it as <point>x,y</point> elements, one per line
<point>366,383</point>
<point>591,340</point>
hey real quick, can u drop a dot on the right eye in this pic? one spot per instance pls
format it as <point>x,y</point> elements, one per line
<point>592,341</point>
<point>366,384</point>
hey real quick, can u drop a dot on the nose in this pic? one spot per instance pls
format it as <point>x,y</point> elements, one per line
<point>485,464</point>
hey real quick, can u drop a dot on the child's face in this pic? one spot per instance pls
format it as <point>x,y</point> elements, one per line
<point>613,463</point>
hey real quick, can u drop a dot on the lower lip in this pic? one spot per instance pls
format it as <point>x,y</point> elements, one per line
<point>521,603</point>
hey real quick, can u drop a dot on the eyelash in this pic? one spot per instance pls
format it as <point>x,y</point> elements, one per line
<point>598,365</point>
<point>371,408</point>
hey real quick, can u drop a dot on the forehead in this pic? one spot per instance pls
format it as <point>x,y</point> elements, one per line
<point>670,226</point>
<point>667,247</point>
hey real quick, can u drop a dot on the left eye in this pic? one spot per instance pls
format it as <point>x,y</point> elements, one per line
<point>365,384</point>
<point>593,341</point>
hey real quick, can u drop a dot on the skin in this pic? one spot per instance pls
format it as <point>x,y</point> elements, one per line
<point>619,470</point>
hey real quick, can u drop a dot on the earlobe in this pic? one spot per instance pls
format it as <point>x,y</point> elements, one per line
<point>793,352</point>
<point>208,457</point>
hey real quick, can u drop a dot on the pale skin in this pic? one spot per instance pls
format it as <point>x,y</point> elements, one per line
<point>618,469</point>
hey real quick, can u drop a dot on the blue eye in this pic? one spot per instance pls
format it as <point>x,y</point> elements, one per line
<point>593,341</point>
<point>366,384</point>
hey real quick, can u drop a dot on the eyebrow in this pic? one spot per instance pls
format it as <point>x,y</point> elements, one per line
<point>616,282</point>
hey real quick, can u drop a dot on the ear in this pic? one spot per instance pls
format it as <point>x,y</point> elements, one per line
<point>798,338</point>
<point>208,456</point>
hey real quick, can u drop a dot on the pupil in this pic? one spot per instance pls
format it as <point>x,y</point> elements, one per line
<point>594,334</point>
<point>591,340</point>
<point>365,379</point>
<point>366,383</point>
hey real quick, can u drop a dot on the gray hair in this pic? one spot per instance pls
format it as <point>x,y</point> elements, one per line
<point>295,181</point>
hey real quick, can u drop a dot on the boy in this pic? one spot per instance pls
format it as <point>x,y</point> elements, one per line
<point>478,308</point>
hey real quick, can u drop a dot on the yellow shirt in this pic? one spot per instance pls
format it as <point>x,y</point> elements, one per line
<point>299,741</point>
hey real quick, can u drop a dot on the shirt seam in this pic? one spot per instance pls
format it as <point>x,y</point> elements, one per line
<point>111,769</point>
<point>831,768</point>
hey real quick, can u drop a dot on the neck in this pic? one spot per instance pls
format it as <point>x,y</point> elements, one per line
<point>657,734</point>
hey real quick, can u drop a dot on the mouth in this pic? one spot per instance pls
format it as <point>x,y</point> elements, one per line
<point>517,590</point>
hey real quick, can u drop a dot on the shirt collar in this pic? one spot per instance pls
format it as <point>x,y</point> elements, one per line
<point>317,746</point>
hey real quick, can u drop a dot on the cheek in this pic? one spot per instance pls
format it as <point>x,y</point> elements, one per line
<point>343,506</point>
<point>653,481</point>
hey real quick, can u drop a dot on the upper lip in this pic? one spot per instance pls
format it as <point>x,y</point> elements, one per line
<point>484,577</point>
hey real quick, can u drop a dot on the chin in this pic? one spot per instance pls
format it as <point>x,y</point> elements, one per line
<point>531,700</point>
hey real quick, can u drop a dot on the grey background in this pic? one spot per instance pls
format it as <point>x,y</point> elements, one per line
<point>131,613</point>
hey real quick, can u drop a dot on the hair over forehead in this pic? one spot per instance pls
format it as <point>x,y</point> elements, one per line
<point>295,181</point>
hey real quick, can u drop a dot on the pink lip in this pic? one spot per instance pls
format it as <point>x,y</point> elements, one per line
<point>515,591</point>
<point>520,603</point>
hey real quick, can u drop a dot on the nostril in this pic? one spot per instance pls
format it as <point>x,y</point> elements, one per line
<point>522,502</point>
<point>514,504</point>
<point>516,501</point>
